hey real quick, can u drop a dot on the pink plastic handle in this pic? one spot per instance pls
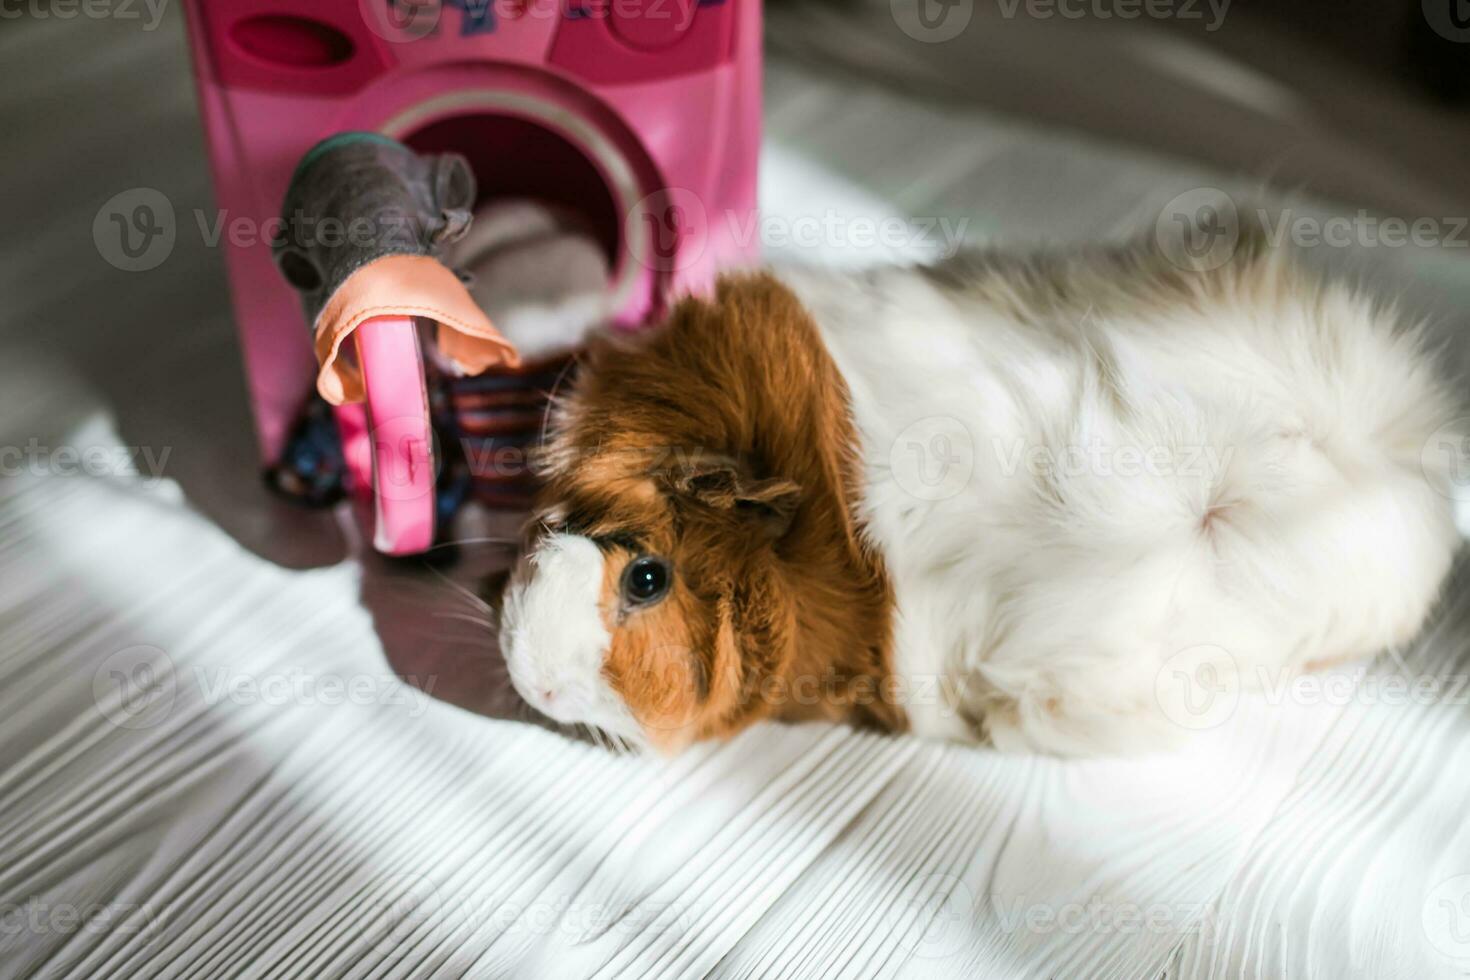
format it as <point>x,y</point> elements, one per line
<point>400,435</point>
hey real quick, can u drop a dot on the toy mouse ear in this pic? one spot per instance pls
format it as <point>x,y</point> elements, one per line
<point>722,483</point>
<point>454,192</point>
<point>298,268</point>
<point>452,226</point>
<point>454,183</point>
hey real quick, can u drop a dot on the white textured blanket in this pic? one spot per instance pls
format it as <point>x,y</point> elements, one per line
<point>210,765</point>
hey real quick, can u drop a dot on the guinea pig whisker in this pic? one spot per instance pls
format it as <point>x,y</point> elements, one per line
<point>589,734</point>
<point>470,614</point>
<point>458,542</point>
<point>441,636</point>
<point>466,618</point>
<point>459,590</point>
<point>552,400</point>
<point>605,740</point>
<point>622,743</point>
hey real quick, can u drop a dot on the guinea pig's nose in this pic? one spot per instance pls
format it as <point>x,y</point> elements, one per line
<point>548,694</point>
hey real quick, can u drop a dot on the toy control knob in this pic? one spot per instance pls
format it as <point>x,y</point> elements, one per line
<point>652,25</point>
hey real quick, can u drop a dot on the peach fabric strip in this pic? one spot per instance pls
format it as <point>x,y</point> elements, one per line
<point>404,285</point>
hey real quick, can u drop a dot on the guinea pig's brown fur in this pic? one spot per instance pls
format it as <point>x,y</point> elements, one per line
<point>724,442</point>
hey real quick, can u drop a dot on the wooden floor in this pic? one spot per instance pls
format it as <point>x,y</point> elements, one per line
<point>176,768</point>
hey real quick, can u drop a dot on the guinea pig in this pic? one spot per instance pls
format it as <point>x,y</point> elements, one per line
<point>1003,499</point>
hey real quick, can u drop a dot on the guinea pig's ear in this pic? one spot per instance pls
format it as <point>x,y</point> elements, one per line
<point>722,483</point>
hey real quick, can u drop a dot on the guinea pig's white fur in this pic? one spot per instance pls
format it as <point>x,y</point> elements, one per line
<point>1081,470</point>
<point>554,638</point>
<point>1287,519</point>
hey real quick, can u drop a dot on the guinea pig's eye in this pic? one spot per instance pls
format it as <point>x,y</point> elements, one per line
<point>645,580</point>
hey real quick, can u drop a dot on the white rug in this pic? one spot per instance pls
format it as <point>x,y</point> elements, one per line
<point>209,765</point>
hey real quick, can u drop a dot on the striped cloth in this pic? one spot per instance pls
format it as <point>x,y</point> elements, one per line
<point>494,420</point>
<point>485,427</point>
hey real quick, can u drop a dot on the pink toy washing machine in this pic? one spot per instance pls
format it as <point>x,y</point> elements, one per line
<point>641,115</point>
